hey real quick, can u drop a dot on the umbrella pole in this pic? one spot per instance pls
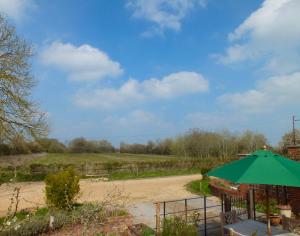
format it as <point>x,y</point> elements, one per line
<point>268,211</point>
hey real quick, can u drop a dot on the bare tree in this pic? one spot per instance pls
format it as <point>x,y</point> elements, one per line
<point>18,114</point>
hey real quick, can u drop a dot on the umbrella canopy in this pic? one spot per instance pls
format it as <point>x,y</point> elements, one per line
<point>261,167</point>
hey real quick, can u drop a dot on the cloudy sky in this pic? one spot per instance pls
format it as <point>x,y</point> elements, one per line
<point>133,70</point>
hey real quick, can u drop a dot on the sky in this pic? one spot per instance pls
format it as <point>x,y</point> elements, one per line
<point>134,70</point>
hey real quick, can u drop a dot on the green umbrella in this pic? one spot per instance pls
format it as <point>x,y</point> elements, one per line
<point>261,167</point>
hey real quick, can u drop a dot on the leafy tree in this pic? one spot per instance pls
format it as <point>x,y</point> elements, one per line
<point>19,116</point>
<point>81,145</point>
<point>51,145</point>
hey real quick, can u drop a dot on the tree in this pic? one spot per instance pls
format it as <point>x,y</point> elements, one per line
<point>287,140</point>
<point>18,114</point>
<point>250,141</point>
<point>51,145</point>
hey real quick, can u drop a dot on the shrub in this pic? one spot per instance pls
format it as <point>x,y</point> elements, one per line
<point>176,226</point>
<point>62,189</point>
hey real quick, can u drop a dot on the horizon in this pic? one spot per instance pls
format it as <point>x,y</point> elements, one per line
<point>146,70</point>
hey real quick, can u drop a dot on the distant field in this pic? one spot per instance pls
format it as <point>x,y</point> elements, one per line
<point>78,158</point>
<point>69,158</point>
<point>113,166</point>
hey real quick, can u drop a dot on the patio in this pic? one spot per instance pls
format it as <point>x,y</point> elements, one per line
<point>252,227</point>
<point>266,170</point>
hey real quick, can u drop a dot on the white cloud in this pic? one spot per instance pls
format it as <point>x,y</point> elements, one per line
<point>274,93</point>
<point>15,9</point>
<point>81,63</point>
<point>135,92</point>
<point>165,14</point>
<point>270,34</point>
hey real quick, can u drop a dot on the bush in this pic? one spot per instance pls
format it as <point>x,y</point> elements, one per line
<point>62,189</point>
<point>176,226</point>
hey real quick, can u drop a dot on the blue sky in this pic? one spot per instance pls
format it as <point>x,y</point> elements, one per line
<point>136,70</point>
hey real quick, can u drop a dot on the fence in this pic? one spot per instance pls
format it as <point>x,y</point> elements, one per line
<point>204,211</point>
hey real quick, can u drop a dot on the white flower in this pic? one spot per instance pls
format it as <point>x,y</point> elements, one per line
<point>8,223</point>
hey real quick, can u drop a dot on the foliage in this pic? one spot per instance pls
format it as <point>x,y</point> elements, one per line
<point>200,187</point>
<point>176,226</point>
<point>202,144</point>
<point>160,147</point>
<point>51,145</point>
<point>35,223</point>
<point>148,232</point>
<point>62,189</point>
<point>81,145</point>
<point>273,207</point>
<point>19,116</point>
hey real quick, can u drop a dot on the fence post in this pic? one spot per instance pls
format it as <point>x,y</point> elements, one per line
<point>250,204</point>
<point>254,207</point>
<point>157,218</point>
<point>185,209</point>
<point>164,210</point>
<point>205,222</point>
<point>222,202</point>
<point>227,203</point>
<point>15,172</point>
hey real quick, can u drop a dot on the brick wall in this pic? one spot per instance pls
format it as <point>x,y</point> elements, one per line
<point>117,224</point>
<point>217,189</point>
<point>294,199</point>
<point>294,152</point>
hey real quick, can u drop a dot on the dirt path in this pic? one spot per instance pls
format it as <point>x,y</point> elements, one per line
<point>137,191</point>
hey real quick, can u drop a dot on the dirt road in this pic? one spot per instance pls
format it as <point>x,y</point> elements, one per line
<point>136,191</point>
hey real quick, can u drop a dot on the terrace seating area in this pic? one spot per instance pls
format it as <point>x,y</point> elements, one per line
<point>232,226</point>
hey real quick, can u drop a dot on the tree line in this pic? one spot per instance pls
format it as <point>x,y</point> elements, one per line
<point>51,145</point>
<point>194,143</point>
<point>200,144</point>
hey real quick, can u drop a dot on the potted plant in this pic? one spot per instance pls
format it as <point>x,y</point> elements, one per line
<point>274,211</point>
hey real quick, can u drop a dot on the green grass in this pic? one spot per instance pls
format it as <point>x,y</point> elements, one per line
<point>200,187</point>
<point>81,158</point>
<point>152,173</point>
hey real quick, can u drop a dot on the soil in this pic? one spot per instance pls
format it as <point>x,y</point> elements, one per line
<point>133,191</point>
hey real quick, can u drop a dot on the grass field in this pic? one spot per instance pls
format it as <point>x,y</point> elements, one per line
<point>114,165</point>
<point>117,165</point>
<point>78,158</point>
